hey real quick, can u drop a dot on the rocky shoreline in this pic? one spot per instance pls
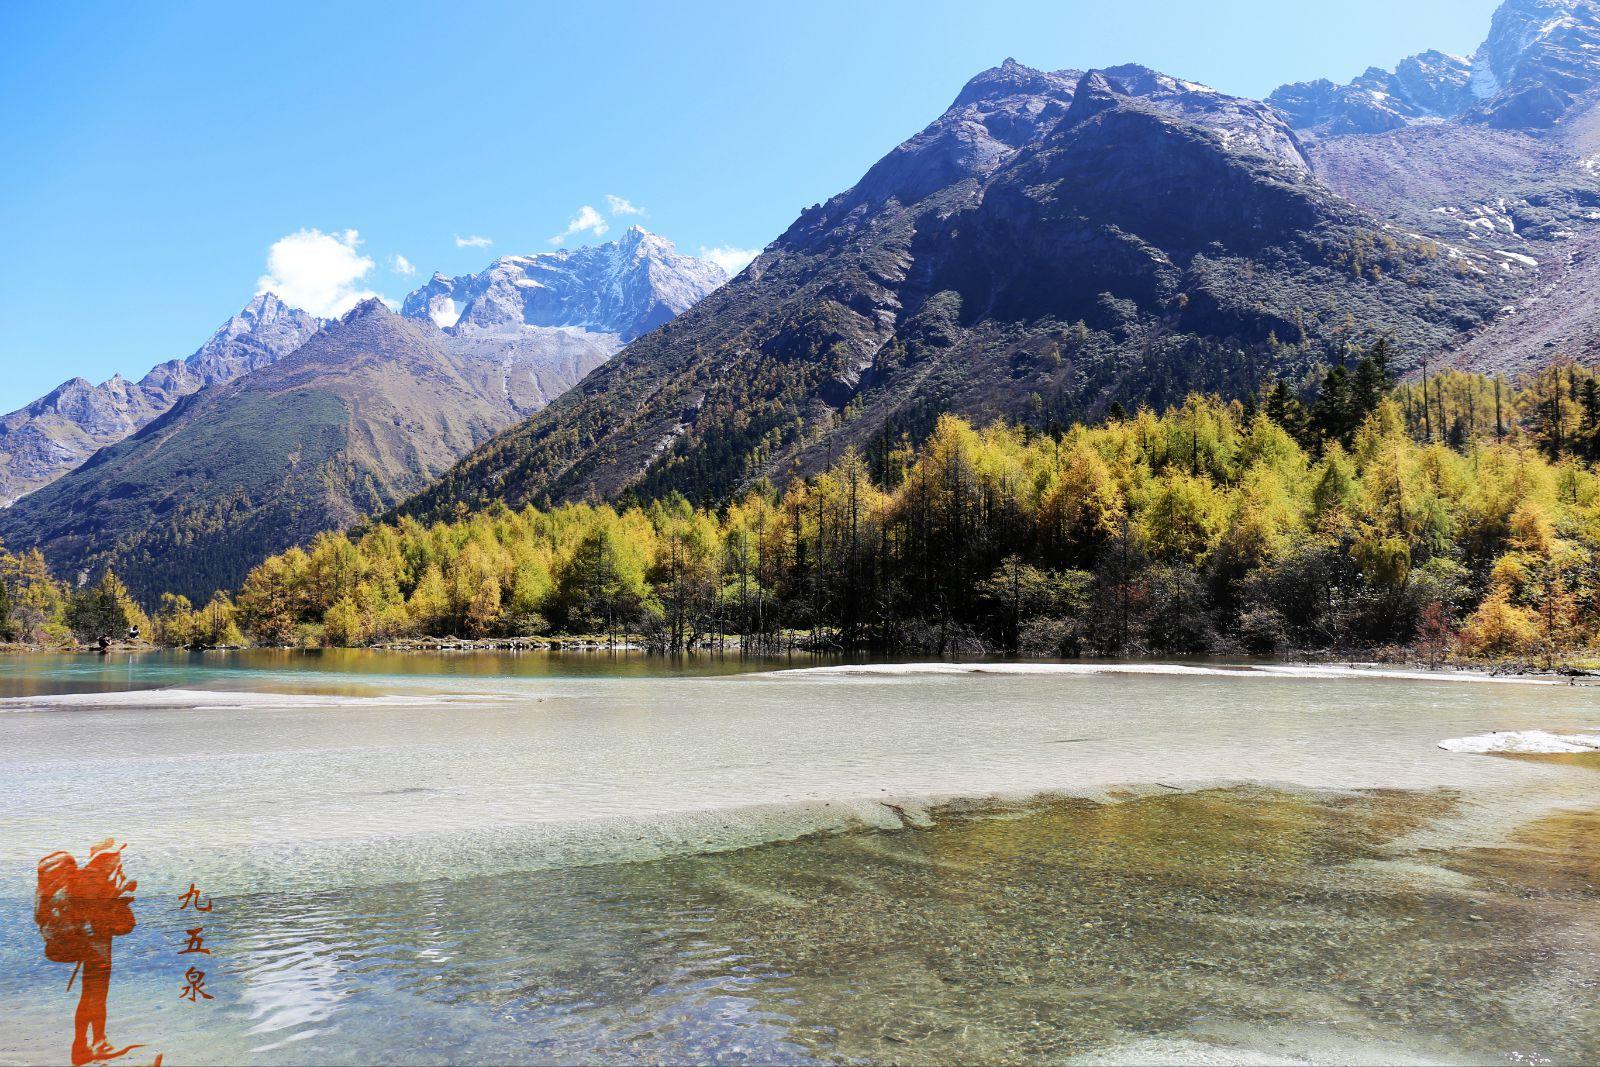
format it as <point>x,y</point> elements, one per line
<point>511,644</point>
<point>1578,672</point>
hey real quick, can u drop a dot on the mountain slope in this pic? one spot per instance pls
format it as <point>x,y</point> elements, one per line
<point>57,432</point>
<point>1054,241</point>
<point>366,412</point>
<point>1505,162</point>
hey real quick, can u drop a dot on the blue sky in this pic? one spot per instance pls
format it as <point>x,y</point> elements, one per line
<point>154,153</point>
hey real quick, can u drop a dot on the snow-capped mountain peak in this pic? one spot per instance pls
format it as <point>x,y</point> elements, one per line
<point>1539,59</point>
<point>622,288</point>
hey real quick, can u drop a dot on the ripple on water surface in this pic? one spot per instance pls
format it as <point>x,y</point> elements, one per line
<point>1334,923</point>
<point>1239,925</point>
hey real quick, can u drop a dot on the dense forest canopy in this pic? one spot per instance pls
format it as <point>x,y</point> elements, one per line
<point>1454,512</point>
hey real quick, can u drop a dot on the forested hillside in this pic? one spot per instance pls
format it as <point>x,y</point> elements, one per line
<point>1462,515</point>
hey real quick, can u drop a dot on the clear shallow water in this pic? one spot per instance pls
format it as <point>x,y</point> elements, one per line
<point>423,868</point>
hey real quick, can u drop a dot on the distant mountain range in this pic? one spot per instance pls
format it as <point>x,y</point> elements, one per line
<point>1541,58</point>
<point>552,317</point>
<point>304,426</point>
<point>41,442</point>
<point>1057,241</point>
<point>623,289</point>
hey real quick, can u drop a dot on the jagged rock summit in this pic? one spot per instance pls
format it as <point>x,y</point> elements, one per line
<point>623,288</point>
<point>1540,59</point>
<point>49,437</point>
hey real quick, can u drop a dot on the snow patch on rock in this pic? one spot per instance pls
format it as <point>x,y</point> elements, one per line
<point>1523,742</point>
<point>625,288</point>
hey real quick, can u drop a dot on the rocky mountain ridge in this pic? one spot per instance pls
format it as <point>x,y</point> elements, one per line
<point>545,320</point>
<point>622,288</point>
<point>1053,242</point>
<point>287,427</point>
<point>1057,240</point>
<point>57,432</point>
<point>369,410</point>
<point>1428,85</point>
<point>1540,59</point>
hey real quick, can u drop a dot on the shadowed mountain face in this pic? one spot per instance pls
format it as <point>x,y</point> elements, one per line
<point>1051,243</point>
<point>366,412</point>
<point>41,442</point>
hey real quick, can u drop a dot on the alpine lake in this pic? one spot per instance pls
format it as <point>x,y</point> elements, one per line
<point>570,857</point>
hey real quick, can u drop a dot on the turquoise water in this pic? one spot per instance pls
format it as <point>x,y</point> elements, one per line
<point>558,858</point>
<point>115,672</point>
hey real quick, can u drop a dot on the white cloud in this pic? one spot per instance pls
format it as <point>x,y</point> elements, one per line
<point>401,265</point>
<point>317,272</point>
<point>732,260</point>
<point>622,206</point>
<point>587,220</point>
<point>472,241</point>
